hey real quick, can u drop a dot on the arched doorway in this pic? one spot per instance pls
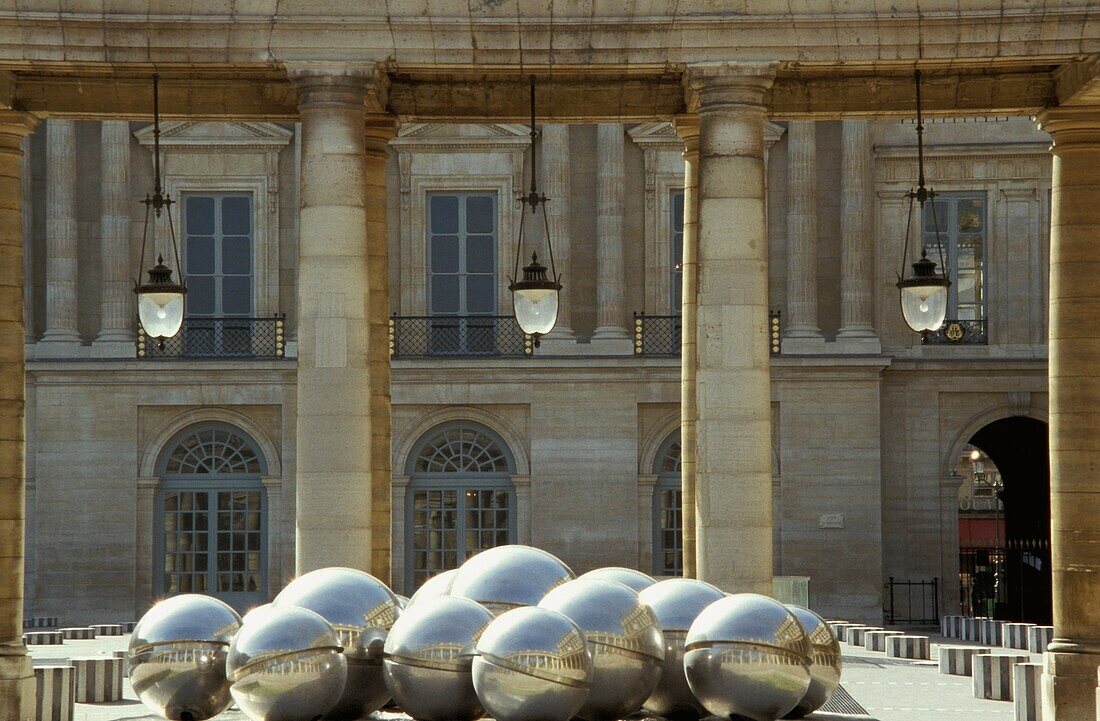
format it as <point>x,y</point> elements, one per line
<point>668,555</point>
<point>1004,521</point>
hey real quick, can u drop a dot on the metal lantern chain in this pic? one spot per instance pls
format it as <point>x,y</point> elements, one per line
<point>921,194</point>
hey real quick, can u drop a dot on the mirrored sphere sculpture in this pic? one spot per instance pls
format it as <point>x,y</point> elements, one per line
<point>676,603</point>
<point>429,655</point>
<point>361,609</point>
<point>177,657</point>
<point>627,576</point>
<point>508,577</point>
<point>286,664</point>
<point>437,585</point>
<point>747,655</point>
<point>825,664</point>
<point>624,639</point>
<point>532,665</point>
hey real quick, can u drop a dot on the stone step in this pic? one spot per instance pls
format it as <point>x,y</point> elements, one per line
<point>958,660</point>
<point>98,679</point>
<point>78,633</point>
<point>876,640</point>
<point>1014,635</point>
<point>1039,637</point>
<point>1027,691</point>
<point>904,646</point>
<point>43,638</point>
<point>54,693</point>
<point>993,675</point>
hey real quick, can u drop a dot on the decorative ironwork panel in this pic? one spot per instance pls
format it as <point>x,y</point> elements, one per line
<point>249,338</point>
<point>457,336</point>
<point>461,449</point>
<point>958,332</point>
<point>660,335</point>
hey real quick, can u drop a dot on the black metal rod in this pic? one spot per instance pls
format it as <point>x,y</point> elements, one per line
<point>534,134</point>
<point>156,137</point>
<point>920,138</point>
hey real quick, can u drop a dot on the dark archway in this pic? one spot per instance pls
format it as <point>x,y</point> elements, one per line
<point>1019,446</point>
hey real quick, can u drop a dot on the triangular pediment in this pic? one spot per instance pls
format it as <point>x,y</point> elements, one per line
<point>660,134</point>
<point>463,130</point>
<point>198,134</point>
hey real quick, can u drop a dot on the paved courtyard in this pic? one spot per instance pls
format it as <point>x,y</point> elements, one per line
<point>877,687</point>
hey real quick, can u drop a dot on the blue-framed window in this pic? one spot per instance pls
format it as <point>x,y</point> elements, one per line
<point>668,503</point>
<point>963,224</point>
<point>211,521</point>
<point>460,499</point>
<point>676,244</point>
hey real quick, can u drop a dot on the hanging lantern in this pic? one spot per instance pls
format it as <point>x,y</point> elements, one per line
<point>924,293</point>
<point>160,299</point>
<point>535,296</point>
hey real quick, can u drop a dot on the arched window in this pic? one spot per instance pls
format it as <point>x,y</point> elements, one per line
<point>668,553</point>
<point>460,499</point>
<point>212,516</point>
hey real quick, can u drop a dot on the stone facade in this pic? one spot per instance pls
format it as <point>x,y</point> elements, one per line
<point>866,426</point>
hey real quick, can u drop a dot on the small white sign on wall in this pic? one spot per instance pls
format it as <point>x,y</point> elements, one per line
<point>831,520</point>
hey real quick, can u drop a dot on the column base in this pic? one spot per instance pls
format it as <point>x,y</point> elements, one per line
<point>561,341</point>
<point>17,685</point>
<point>856,345</point>
<point>1070,684</point>
<point>58,346</point>
<point>800,344</point>
<point>114,348</point>
<point>612,340</point>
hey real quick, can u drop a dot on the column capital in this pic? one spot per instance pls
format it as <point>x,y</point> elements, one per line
<point>1077,126</point>
<point>380,129</point>
<point>16,125</point>
<point>711,86</point>
<point>687,128</point>
<point>325,83</point>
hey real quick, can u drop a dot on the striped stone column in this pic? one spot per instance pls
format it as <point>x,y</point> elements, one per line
<point>98,679</point>
<point>958,660</point>
<point>993,675</point>
<point>1027,691</point>
<point>16,677</point>
<point>55,692</point>
<point>903,646</point>
<point>61,335</point>
<point>733,377</point>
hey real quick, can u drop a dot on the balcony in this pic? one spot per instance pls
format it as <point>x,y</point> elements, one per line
<point>958,332</point>
<point>219,338</point>
<point>474,336</point>
<point>658,336</point>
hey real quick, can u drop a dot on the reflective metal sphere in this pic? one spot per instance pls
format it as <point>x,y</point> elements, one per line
<point>532,665</point>
<point>361,610</point>
<point>624,639</point>
<point>627,576</point>
<point>437,585</point>
<point>286,664</point>
<point>825,661</point>
<point>177,657</point>
<point>747,655</point>
<point>507,577</point>
<point>676,603</point>
<point>255,612</point>
<point>429,653</point>
<point>402,601</point>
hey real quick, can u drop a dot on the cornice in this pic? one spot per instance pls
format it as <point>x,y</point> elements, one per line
<point>259,136</point>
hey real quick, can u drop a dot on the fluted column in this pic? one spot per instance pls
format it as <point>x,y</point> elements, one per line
<point>379,130</point>
<point>733,379</point>
<point>334,440</point>
<point>61,335</point>
<point>554,159</point>
<point>687,127</point>
<point>116,307</point>
<point>801,321</point>
<point>1071,661</point>
<point>610,179</point>
<point>17,695</point>
<point>857,227</point>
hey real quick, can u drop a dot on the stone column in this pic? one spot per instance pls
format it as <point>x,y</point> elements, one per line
<point>28,245</point>
<point>801,321</point>
<point>61,336</point>
<point>687,127</point>
<point>554,159</point>
<point>610,294</point>
<point>116,336</point>
<point>334,441</point>
<point>379,130</point>
<point>1071,662</point>
<point>17,696</point>
<point>732,378</point>
<point>857,229</point>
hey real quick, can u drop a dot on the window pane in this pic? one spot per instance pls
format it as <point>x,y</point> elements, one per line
<point>940,219</point>
<point>479,254</point>
<point>479,294</point>
<point>444,252</point>
<point>200,295</point>
<point>199,216</point>
<point>677,211</point>
<point>444,214</point>
<point>479,214</point>
<point>200,255</point>
<point>970,215</point>
<point>444,294</point>
<point>236,255</point>
<point>236,215</point>
<point>237,295</point>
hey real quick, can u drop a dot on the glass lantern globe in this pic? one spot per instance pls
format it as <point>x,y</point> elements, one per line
<point>160,302</point>
<point>535,299</point>
<point>924,297</point>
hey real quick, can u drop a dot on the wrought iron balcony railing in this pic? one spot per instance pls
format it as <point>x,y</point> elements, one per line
<point>958,332</point>
<point>246,338</point>
<point>453,336</point>
<point>659,335</point>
